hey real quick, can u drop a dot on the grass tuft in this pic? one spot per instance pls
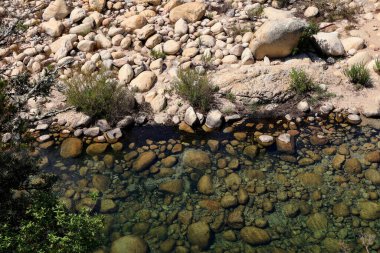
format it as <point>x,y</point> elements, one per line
<point>301,83</point>
<point>156,54</point>
<point>359,75</point>
<point>195,87</point>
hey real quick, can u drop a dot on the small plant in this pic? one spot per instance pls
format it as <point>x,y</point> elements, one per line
<point>157,54</point>
<point>358,75</point>
<point>195,87</point>
<point>254,13</point>
<point>20,27</point>
<point>376,67</point>
<point>306,42</point>
<point>230,96</point>
<point>99,95</point>
<point>301,83</point>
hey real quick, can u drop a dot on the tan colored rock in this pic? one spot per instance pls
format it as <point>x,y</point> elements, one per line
<point>254,236</point>
<point>205,185</point>
<point>191,12</point>
<point>171,47</point>
<point>144,161</point>
<point>373,157</point>
<point>373,175</point>
<point>363,57</point>
<point>53,27</point>
<point>71,147</point>
<point>57,9</point>
<point>129,243</point>
<point>356,43</point>
<point>353,166</point>
<point>144,81</point>
<point>96,148</point>
<point>151,2</point>
<point>277,38</point>
<point>171,4</point>
<point>196,159</point>
<point>174,186</point>
<point>134,22</point>
<point>97,5</point>
<point>199,234</point>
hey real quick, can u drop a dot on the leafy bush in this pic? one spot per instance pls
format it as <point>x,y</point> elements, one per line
<point>35,221</point>
<point>301,83</point>
<point>358,75</point>
<point>48,227</point>
<point>195,87</point>
<point>99,95</point>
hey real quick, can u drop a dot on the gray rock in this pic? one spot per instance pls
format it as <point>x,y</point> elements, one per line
<point>190,116</point>
<point>92,131</point>
<point>329,43</point>
<point>214,119</point>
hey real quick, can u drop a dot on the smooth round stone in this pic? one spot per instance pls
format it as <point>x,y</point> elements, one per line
<point>353,119</point>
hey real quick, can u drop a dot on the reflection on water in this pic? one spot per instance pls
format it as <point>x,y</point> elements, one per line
<point>233,191</point>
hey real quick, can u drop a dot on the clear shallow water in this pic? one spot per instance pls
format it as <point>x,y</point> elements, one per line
<point>323,198</point>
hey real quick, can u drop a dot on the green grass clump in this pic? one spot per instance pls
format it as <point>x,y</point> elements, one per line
<point>156,54</point>
<point>195,87</point>
<point>98,95</point>
<point>359,75</point>
<point>301,83</point>
<point>376,67</point>
<point>230,96</point>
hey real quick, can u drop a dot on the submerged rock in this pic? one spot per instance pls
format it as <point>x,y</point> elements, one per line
<point>254,236</point>
<point>96,148</point>
<point>317,222</point>
<point>369,210</point>
<point>173,186</point>
<point>129,243</point>
<point>205,185</point>
<point>144,161</point>
<point>196,159</point>
<point>71,147</point>
<point>199,234</point>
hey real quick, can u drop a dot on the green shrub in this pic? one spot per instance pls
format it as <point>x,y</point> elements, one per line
<point>359,75</point>
<point>306,42</point>
<point>35,221</point>
<point>195,87</point>
<point>156,54</point>
<point>99,95</point>
<point>376,67</point>
<point>47,226</point>
<point>301,83</point>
